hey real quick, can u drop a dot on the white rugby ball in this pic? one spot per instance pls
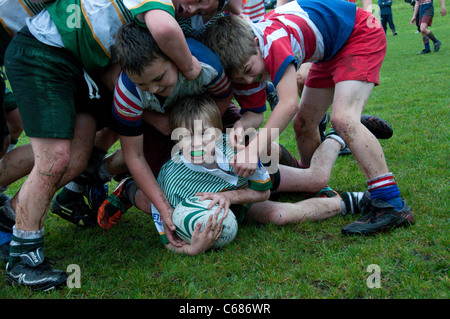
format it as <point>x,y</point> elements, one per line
<point>191,211</point>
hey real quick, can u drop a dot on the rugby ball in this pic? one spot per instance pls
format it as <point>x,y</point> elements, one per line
<point>192,211</point>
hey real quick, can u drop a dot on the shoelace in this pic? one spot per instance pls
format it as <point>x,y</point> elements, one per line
<point>91,85</point>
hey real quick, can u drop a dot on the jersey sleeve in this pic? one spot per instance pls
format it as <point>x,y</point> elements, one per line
<point>220,86</point>
<point>127,108</point>
<point>136,7</point>
<point>279,56</point>
<point>260,180</point>
<point>251,97</point>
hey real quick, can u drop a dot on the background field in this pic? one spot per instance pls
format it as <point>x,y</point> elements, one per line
<point>310,260</point>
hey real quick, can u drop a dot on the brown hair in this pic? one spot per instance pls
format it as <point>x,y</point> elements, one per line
<point>135,48</point>
<point>232,39</point>
<point>190,108</point>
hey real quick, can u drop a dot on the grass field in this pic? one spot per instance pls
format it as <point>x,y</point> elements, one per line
<point>311,260</point>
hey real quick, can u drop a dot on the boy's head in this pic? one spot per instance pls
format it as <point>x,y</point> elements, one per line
<point>190,8</point>
<point>145,64</point>
<point>196,123</point>
<point>237,46</point>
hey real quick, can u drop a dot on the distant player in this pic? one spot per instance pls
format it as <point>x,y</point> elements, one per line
<point>425,9</point>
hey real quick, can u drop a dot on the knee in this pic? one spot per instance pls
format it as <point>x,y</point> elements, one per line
<point>423,30</point>
<point>54,162</point>
<point>300,125</point>
<point>345,126</point>
<point>277,217</point>
<point>321,180</point>
<point>78,163</point>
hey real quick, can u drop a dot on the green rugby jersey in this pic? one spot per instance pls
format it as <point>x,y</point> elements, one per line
<point>180,179</point>
<point>87,27</point>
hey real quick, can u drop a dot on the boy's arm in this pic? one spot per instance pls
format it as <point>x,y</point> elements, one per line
<point>132,149</point>
<point>201,241</point>
<point>251,120</point>
<point>258,190</point>
<point>246,161</point>
<point>248,124</point>
<point>170,38</point>
<point>223,104</point>
<point>443,10</point>
<point>110,74</point>
<point>238,196</point>
<point>234,6</point>
<point>281,2</point>
<point>366,5</point>
<point>416,9</point>
<point>158,120</point>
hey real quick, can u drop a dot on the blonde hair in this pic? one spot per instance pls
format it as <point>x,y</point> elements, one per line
<point>195,107</point>
<point>232,39</point>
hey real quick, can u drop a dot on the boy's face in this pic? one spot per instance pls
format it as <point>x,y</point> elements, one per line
<point>190,8</point>
<point>159,78</point>
<point>254,70</point>
<point>198,146</point>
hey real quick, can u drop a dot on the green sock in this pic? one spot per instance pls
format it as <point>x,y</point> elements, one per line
<point>26,246</point>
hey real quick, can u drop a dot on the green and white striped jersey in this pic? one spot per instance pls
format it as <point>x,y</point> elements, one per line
<point>180,179</point>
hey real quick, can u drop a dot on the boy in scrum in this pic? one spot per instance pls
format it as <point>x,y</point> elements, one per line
<point>200,166</point>
<point>348,46</point>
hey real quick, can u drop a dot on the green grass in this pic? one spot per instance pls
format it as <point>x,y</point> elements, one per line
<point>311,260</point>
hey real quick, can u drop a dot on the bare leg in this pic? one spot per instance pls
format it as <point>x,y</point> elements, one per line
<point>16,164</point>
<point>302,73</point>
<point>142,202</point>
<point>115,163</point>
<point>292,213</point>
<point>56,162</point>
<point>51,161</point>
<point>313,106</point>
<point>317,176</point>
<point>14,124</point>
<point>349,102</point>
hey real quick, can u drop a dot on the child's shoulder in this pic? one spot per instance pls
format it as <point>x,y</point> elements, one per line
<point>203,53</point>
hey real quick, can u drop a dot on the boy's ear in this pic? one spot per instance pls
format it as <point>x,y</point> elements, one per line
<point>256,41</point>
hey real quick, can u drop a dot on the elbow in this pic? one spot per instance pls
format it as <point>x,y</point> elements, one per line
<point>293,108</point>
<point>265,195</point>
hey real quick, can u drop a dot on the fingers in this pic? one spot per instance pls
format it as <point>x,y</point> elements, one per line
<point>218,228</point>
<point>243,167</point>
<point>198,227</point>
<point>216,199</point>
<point>174,239</point>
<point>242,171</point>
<point>213,225</point>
